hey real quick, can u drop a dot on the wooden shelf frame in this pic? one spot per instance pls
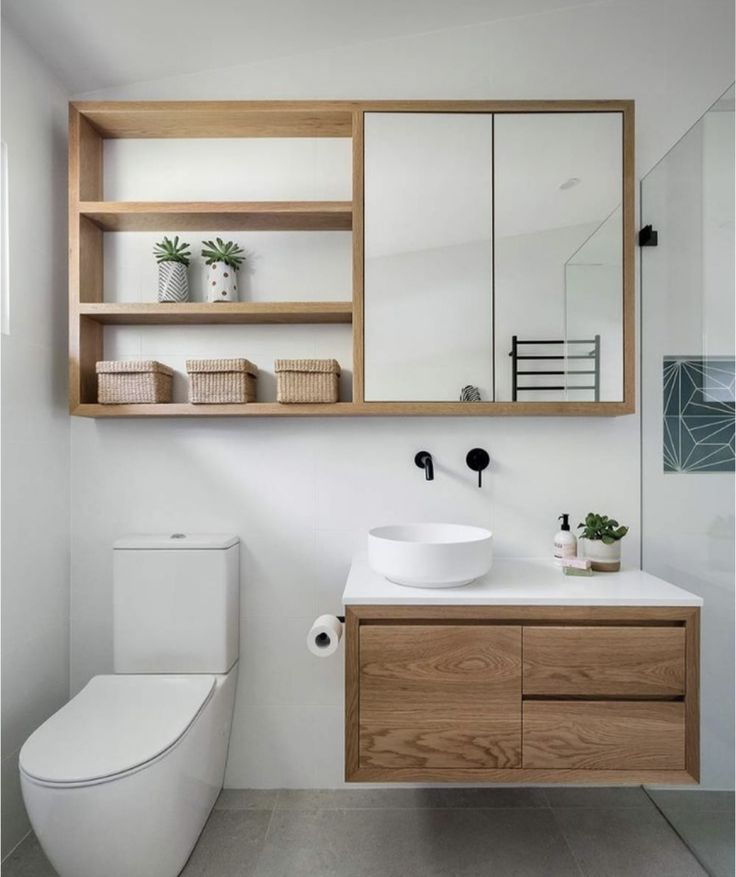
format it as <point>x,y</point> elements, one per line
<point>217,313</point>
<point>354,409</point>
<point>90,216</point>
<point>219,215</point>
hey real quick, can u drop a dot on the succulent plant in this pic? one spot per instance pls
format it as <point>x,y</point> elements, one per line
<point>601,527</point>
<point>172,251</point>
<point>230,253</point>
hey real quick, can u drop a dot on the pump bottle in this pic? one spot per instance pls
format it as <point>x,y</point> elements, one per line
<point>566,545</point>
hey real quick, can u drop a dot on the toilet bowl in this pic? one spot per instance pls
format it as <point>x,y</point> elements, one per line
<point>131,760</point>
<point>121,780</point>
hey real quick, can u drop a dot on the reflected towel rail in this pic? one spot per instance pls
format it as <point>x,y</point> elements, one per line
<point>594,356</point>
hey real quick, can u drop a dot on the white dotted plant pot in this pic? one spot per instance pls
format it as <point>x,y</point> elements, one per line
<point>222,282</point>
<point>602,557</point>
<point>173,281</point>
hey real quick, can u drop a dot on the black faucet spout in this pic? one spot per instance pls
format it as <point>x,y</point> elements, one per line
<point>424,461</point>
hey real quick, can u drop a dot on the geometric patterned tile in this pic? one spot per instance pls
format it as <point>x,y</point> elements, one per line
<point>698,406</point>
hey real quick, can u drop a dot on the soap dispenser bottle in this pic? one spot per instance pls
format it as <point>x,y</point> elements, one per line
<point>566,545</point>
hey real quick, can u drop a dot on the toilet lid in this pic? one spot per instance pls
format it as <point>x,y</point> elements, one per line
<point>114,724</point>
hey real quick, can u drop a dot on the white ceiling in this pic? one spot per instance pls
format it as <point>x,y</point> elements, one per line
<point>94,44</point>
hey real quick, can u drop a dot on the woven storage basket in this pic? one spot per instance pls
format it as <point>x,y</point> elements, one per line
<point>307,380</point>
<point>221,381</point>
<point>132,381</point>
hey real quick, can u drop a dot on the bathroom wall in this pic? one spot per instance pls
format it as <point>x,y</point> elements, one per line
<point>302,492</point>
<point>35,424</point>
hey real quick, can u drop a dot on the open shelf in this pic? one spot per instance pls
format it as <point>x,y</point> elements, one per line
<point>145,313</point>
<point>219,215</point>
<point>184,409</point>
<point>355,409</point>
<point>218,118</point>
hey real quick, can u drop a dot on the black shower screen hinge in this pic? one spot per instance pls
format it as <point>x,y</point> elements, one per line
<point>647,237</point>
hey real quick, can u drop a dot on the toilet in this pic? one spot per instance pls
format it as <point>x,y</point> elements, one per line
<point>120,781</point>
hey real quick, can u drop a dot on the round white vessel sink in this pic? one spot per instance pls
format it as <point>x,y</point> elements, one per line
<point>430,555</point>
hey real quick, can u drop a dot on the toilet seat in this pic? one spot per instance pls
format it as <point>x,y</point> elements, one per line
<point>115,726</point>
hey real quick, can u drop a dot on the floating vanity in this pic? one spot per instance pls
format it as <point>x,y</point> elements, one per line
<point>523,676</point>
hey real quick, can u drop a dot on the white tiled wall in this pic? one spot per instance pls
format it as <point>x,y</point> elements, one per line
<point>35,424</point>
<point>301,493</point>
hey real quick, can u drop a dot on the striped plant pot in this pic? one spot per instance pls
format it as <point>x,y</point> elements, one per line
<point>173,282</point>
<point>222,282</point>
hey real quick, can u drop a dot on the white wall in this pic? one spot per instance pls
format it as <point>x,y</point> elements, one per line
<point>301,493</point>
<point>35,425</point>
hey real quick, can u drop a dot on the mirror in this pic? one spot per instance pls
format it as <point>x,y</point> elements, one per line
<point>558,257</point>
<point>493,256</point>
<point>428,256</point>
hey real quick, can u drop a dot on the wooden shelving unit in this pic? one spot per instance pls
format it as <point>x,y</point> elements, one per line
<point>90,216</point>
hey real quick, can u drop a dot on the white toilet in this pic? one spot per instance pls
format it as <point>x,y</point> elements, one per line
<point>121,780</point>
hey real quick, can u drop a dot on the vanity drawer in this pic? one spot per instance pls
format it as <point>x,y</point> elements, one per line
<point>610,735</point>
<point>440,696</point>
<point>604,661</point>
<point>439,671</point>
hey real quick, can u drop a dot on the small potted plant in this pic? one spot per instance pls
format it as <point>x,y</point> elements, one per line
<point>223,260</point>
<point>173,260</point>
<point>601,542</point>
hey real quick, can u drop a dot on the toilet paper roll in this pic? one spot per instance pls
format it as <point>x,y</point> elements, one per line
<point>324,636</point>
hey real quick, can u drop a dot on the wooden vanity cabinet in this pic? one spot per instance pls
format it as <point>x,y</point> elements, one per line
<point>522,694</point>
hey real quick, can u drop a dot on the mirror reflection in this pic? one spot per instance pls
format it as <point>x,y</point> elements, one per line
<point>558,257</point>
<point>493,257</point>
<point>428,256</point>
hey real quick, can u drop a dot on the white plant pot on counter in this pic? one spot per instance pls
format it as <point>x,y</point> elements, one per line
<point>602,557</point>
<point>222,282</point>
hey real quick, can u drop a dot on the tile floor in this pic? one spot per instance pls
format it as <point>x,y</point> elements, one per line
<point>519,832</point>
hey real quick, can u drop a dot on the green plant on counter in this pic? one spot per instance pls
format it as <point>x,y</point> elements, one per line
<point>172,251</point>
<point>601,527</point>
<point>230,253</point>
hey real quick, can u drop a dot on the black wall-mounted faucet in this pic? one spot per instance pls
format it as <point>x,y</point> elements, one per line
<point>478,460</point>
<point>424,460</point>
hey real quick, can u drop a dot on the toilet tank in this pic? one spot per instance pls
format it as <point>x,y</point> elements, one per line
<point>176,603</point>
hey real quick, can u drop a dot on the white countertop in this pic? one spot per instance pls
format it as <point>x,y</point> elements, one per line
<point>520,583</point>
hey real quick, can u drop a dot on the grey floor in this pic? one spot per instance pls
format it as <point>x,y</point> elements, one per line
<point>454,833</point>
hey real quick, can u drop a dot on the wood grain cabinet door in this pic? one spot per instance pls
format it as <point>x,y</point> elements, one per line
<point>604,735</point>
<point>604,661</point>
<point>440,696</point>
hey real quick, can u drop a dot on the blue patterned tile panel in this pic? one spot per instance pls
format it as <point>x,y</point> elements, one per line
<point>698,406</point>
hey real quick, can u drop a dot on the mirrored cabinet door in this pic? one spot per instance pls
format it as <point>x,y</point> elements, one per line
<point>558,235</point>
<point>428,271</point>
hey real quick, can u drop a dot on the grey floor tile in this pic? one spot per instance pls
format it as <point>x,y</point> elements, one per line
<point>632,842</point>
<point>692,799</point>
<point>598,797</point>
<point>247,799</point>
<point>411,799</point>
<point>415,843</point>
<point>710,836</point>
<point>229,845</point>
<point>28,860</point>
